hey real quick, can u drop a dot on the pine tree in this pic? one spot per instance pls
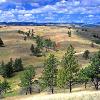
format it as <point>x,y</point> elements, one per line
<point>70,67</point>
<point>18,66</point>
<point>1,68</point>
<point>26,79</point>
<point>1,43</point>
<point>61,78</point>
<point>86,54</point>
<point>50,72</point>
<point>32,49</point>
<point>39,42</point>
<point>5,86</point>
<point>7,69</point>
<point>84,76</point>
<point>94,70</point>
<point>69,34</point>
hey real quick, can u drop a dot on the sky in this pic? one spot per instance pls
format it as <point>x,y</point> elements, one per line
<point>56,11</point>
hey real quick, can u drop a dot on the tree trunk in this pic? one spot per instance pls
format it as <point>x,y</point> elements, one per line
<point>52,90</point>
<point>85,85</point>
<point>30,90</point>
<point>26,91</point>
<point>70,86</point>
<point>97,85</point>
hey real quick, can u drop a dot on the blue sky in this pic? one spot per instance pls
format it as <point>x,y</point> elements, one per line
<point>40,11</point>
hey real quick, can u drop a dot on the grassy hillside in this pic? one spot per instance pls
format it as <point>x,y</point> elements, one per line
<point>16,47</point>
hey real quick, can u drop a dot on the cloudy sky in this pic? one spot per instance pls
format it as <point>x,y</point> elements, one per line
<point>40,11</point>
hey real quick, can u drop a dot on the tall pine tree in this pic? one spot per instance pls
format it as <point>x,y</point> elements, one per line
<point>18,66</point>
<point>26,79</point>
<point>50,72</point>
<point>70,68</point>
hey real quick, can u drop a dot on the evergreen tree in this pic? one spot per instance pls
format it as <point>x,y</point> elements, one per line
<point>0,88</point>
<point>70,67</point>
<point>61,78</point>
<point>1,68</point>
<point>86,54</point>
<point>26,80</point>
<point>48,43</point>
<point>37,51</point>
<point>1,43</point>
<point>5,85</point>
<point>54,45</point>
<point>83,76</point>
<point>50,72</point>
<point>94,70</point>
<point>32,49</point>
<point>18,66</point>
<point>7,69</point>
<point>39,42</point>
<point>69,34</point>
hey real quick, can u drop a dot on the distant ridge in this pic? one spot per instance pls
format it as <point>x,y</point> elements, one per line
<point>48,24</point>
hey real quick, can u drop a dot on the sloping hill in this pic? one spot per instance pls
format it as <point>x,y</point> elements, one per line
<point>86,95</point>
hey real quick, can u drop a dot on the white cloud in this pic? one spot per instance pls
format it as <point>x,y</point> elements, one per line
<point>2,1</point>
<point>28,15</point>
<point>49,12</point>
<point>90,15</point>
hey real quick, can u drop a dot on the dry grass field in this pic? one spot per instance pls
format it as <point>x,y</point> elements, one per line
<point>16,47</point>
<point>84,95</point>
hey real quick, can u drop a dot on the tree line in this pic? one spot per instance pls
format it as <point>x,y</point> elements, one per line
<point>8,69</point>
<point>41,43</point>
<point>65,73</point>
<point>70,72</point>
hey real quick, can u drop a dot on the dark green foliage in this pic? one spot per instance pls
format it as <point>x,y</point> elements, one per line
<point>48,43</point>
<point>1,67</point>
<point>32,49</point>
<point>39,42</point>
<point>94,70</point>
<point>4,86</point>
<point>36,51</point>
<point>26,80</point>
<point>7,69</point>
<point>86,54</point>
<point>21,32</point>
<point>1,43</point>
<point>0,89</point>
<point>84,76</point>
<point>69,69</point>
<point>50,72</point>
<point>18,66</point>
<point>69,33</point>
<point>61,78</point>
<point>97,41</point>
